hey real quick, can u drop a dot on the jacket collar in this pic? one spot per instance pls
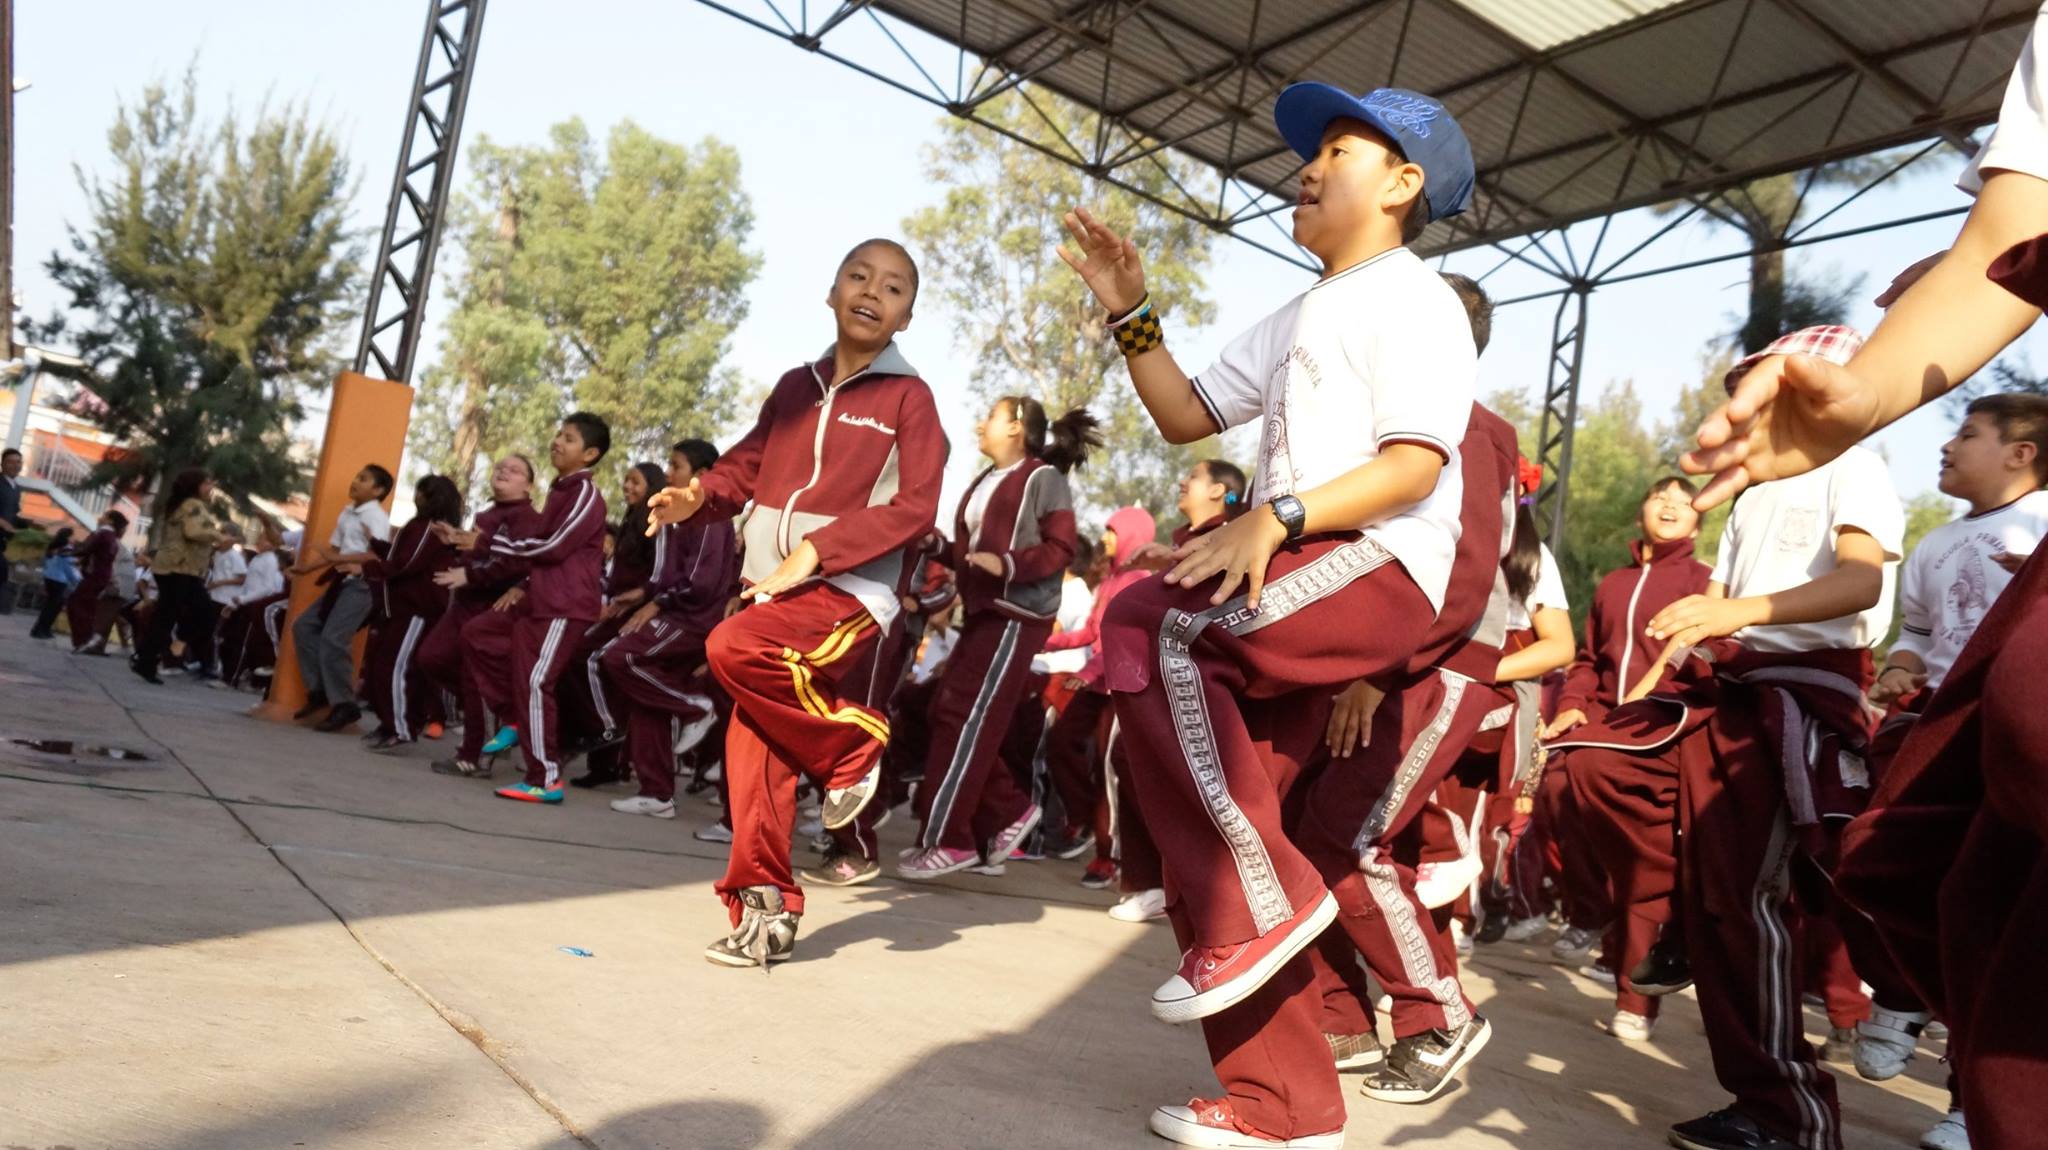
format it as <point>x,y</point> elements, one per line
<point>1662,553</point>
<point>889,362</point>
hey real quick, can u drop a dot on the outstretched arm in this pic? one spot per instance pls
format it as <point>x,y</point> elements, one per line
<point>1109,264</point>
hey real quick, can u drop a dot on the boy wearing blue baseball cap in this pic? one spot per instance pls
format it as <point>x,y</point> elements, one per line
<point>1362,386</point>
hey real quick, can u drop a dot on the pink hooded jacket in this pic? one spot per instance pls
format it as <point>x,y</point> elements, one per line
<point>1134,529</point>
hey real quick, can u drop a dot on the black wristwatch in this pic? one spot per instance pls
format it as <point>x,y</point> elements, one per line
<point>1291,514</point>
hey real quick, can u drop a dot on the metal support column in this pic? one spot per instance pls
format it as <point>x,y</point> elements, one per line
<point>1561,410</point>
<point>419,191</point>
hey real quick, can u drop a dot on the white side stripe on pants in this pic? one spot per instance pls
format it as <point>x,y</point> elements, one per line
<point>400,724</point>
<point>1779,981</point>
<point>970,734</point>
<point>536,738</point>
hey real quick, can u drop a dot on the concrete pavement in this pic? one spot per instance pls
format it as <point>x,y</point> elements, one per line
<point>266,937</point>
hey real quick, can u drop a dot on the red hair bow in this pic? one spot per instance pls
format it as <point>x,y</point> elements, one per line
<point>1528,476</point>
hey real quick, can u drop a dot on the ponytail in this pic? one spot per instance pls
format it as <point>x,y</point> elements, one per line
<point>1072,436</point>
<point>1525,557</point>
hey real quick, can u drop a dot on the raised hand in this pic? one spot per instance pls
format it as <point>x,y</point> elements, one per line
<point>1787,416</point>
<point>673,505</point>
<point>1107,262</point>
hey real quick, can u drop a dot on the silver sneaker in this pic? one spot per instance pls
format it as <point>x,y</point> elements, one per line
<point>766,933</point>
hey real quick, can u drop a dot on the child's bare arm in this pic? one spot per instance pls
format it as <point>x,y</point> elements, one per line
<point>1110,266</point>
<point>1854,585</point>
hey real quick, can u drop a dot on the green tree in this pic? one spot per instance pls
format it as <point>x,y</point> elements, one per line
<point>605,282</point>
<point>1763,211</point>
<point>2005,375</point>
<point>987,250</point>
<point>210,288</point>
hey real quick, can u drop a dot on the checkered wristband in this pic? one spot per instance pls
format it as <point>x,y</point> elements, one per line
<point>1139,335</point>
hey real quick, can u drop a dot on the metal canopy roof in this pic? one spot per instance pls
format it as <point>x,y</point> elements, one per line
<point>1575,108</point>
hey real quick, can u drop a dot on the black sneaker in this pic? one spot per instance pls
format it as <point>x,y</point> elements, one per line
<point>1070,844</point>
<point>1665,970</point>
<point>842,869</point>
<point>461,769</point>
<point>766,933</point>
<point>1355,1051</point>
<point>1726,1130</point>
<point>340,718</point>
<point>844,806</point>
<point>388,744</point>
<point>146,675</point>
<point>315,703</point>
<point>597,777</point>
<point>1493,929</point>
<point>1421,1066</point>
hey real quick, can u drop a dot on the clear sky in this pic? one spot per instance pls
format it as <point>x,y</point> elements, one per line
<point>828,157</point>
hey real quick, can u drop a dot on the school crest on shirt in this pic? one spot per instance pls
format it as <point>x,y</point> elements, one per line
<point>1800,529</point>
<point>1277,474</point>
<point>1970,593</point>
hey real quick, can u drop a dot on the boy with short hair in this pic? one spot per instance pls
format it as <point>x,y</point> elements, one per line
<point>515,656</point>
<point>1751,769</point>
<point>1364,386</point>
<point>653,665</point>
<point>843,468</point>
<point>325,632</point>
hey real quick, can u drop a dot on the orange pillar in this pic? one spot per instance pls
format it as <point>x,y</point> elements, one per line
<point>366,423</point>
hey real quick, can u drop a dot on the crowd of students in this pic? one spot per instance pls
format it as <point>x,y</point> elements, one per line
<point>1336,730</point>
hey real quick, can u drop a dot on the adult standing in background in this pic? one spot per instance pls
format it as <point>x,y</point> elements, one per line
<point>182,558</point>
<point>10,518</point>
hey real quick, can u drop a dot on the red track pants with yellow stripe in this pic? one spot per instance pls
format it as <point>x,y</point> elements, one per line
<point>783,662</point>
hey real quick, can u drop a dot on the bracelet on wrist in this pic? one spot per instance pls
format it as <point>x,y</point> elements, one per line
<point>1142,308</point>
<point>1140,335</point>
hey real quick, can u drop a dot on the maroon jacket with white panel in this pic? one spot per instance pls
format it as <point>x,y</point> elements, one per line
<point>852,465</point>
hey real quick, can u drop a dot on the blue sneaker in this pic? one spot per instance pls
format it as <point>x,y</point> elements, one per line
<point>506,739</point>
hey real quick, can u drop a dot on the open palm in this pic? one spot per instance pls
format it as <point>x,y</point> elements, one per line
<point>1107,262</point>
<point>1788,415</point>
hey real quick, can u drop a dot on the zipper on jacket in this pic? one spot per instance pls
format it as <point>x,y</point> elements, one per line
<point>824,405</point>
<point>1628,639</point>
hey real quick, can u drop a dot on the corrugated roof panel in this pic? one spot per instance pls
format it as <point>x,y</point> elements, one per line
<point>1544,24</point>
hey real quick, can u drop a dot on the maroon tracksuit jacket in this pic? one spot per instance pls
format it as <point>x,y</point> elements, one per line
<point>652,672</point>
<point>1951,861</point>
<point>967,797</point>
<point>441,654</point>
<point>852,466</point>
<point>516,673</point>
<point>405,604</point>
<point>1615,655</point>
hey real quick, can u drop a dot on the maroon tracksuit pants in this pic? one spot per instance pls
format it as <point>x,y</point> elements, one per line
<point>1744,933</point>
<point>1360,824</point>
<point>443,657</point>
<point>1075,752</point>
<point>514,659</point>
<point>783,662</point>
<point>81,610</point>
<point>969,795</point>
<point>1559,833</point>
<point>1268,1051</point>
<point>1335,609</point>
<point>888,668</point>
<point>584,699</point>
<point>391,677</point>
<point>651,675</point>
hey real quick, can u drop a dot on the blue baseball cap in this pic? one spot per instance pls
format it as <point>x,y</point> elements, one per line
<point>1417,124</point>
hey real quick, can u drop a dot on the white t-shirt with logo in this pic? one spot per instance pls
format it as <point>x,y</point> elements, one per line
<point>1380,353</point>
<point>1949,581</point>
<point>1782,535</point>
<point>357,525</point>
<point>1548,592</point>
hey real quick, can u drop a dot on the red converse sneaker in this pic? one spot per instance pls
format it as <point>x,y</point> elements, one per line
<point>1214,977</point>
<point>1212,1122</point>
